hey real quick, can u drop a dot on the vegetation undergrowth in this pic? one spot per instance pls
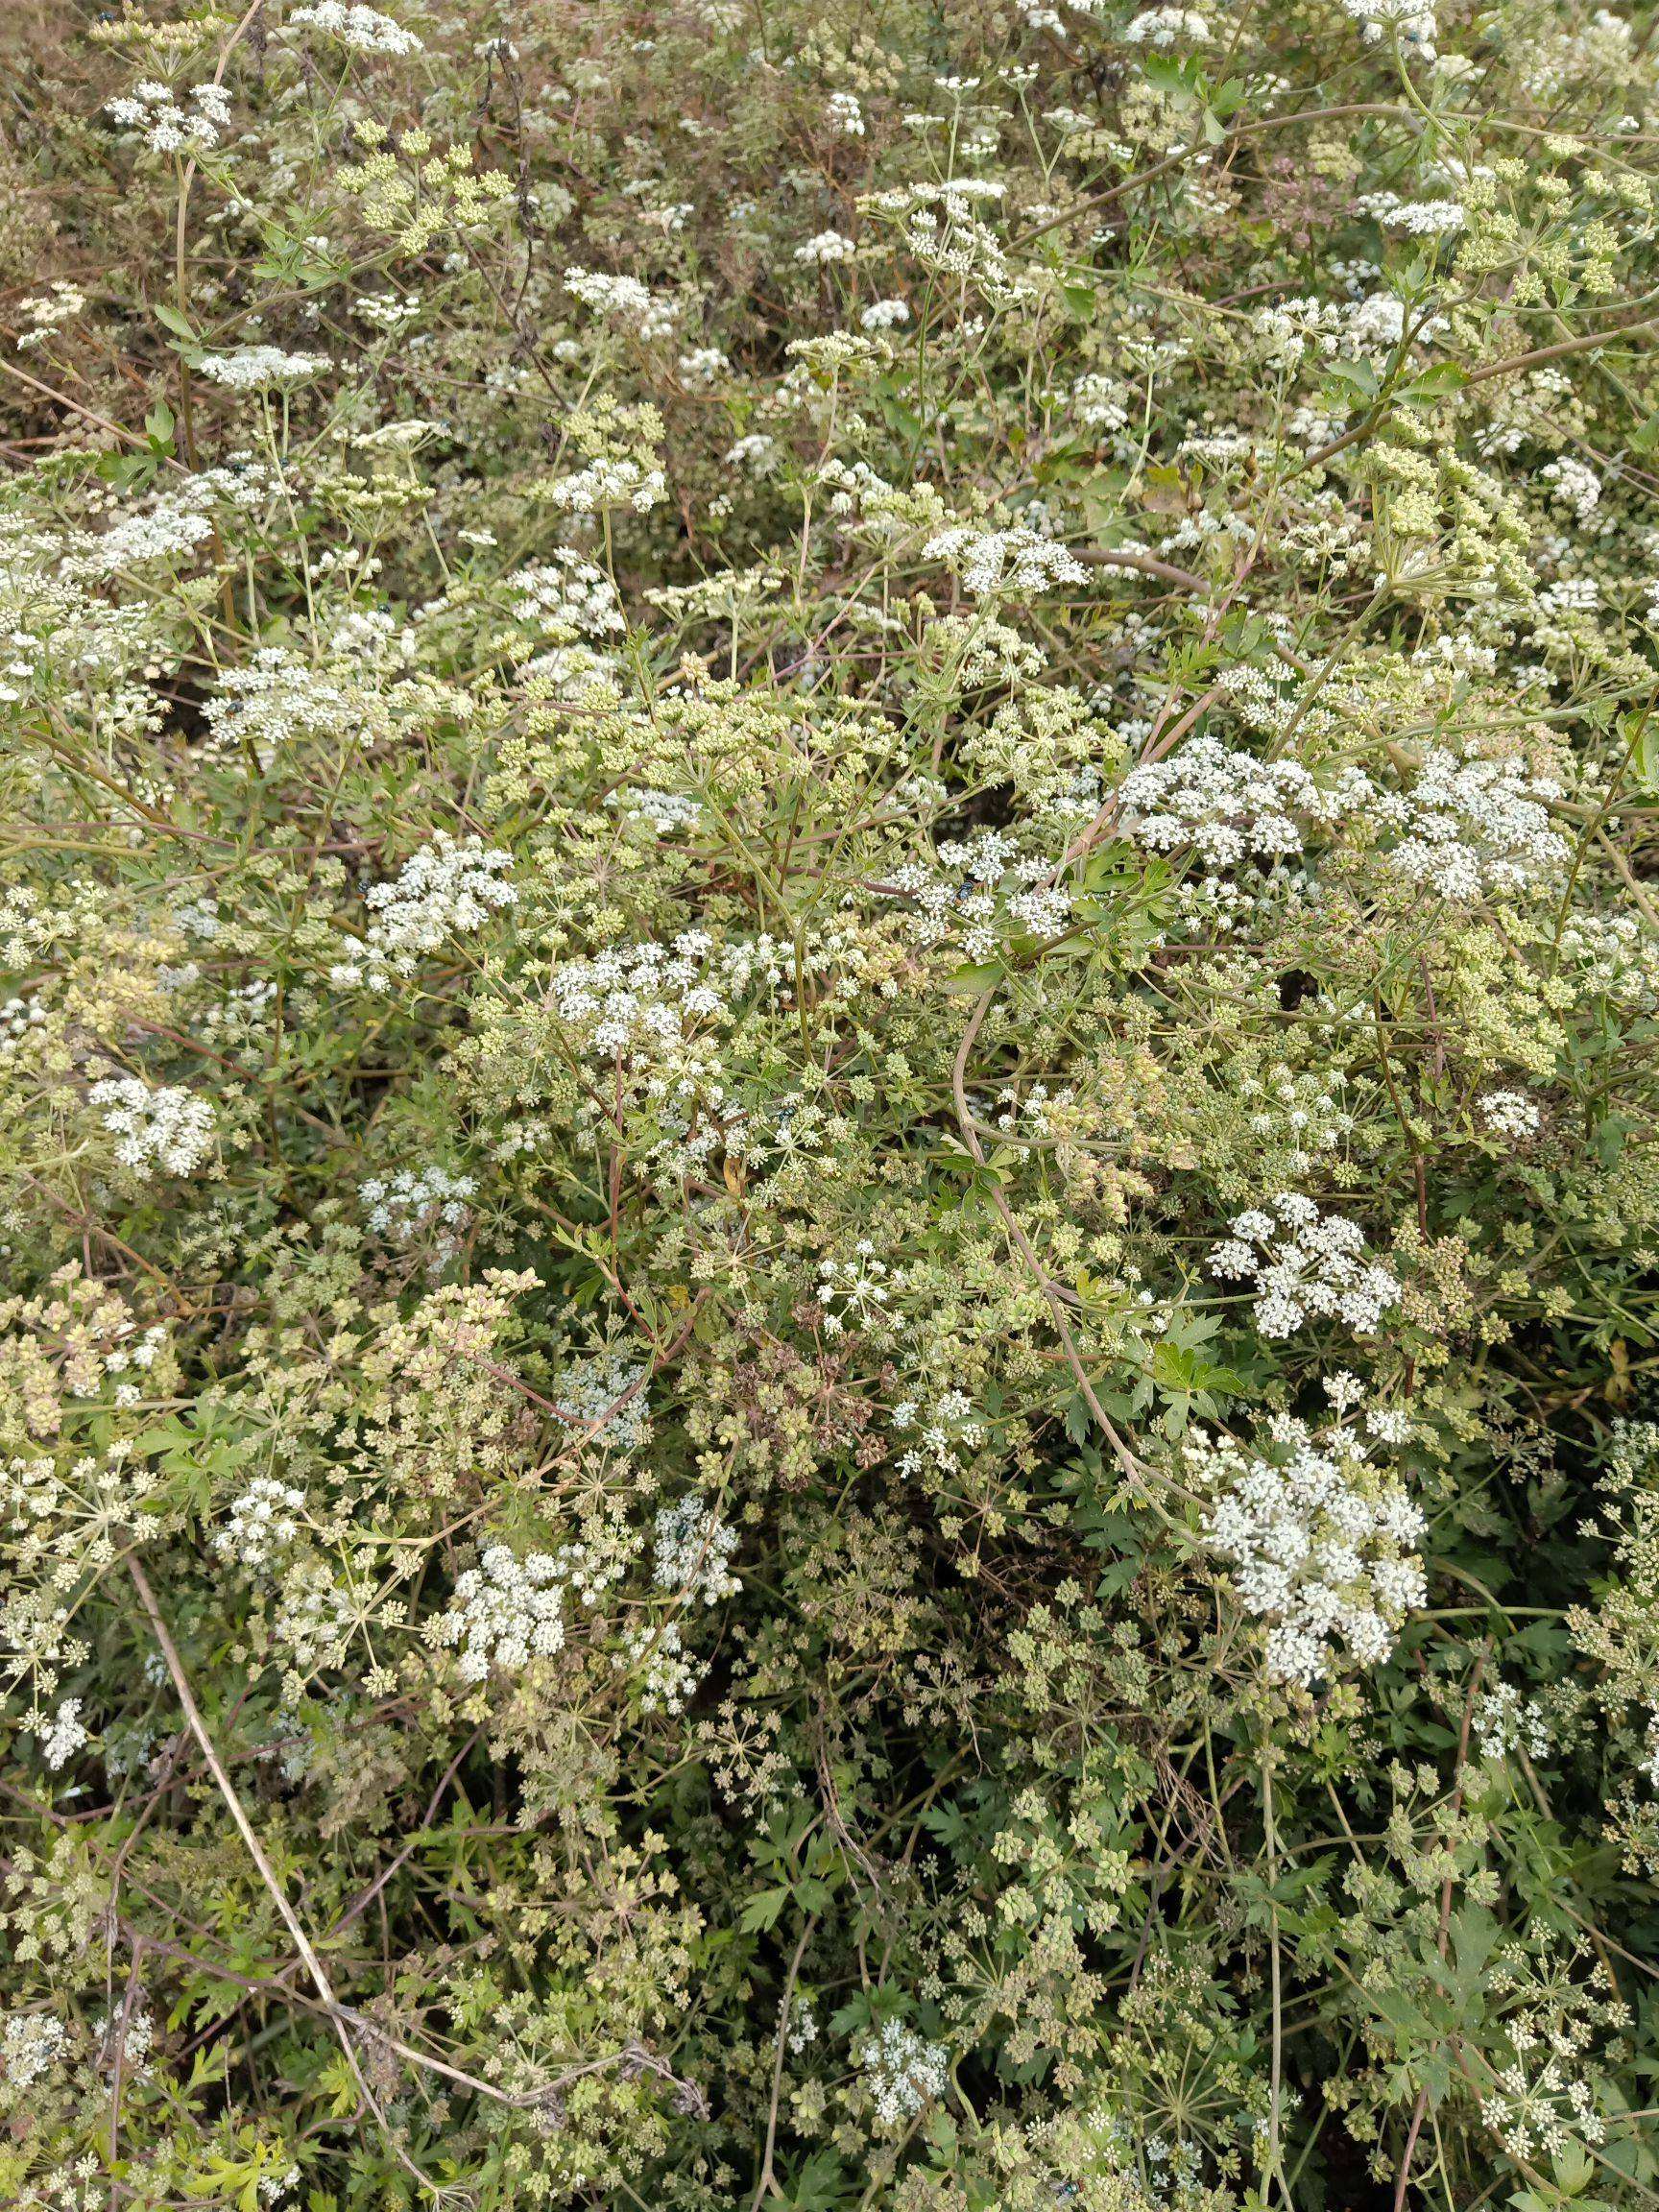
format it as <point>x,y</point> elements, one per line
<point>831,1228</point>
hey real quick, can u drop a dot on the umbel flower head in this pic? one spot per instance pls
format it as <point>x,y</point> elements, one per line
<point>448,889</point>
<point>1306,1266</point>
<point>365,30</point>
<point>1319,1541</point>
<point>1005,564</point>
<point>167,124</point>
<point>902,2071</point>
<point>505,1612</point>
<point>165,1127</point>
<point>261,369</point>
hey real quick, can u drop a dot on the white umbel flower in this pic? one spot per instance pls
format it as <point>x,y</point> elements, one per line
<point>902,2072</point>
<point>1470,825</point>
<point>505,1612</point>
<point>1306,1267</point>
<point>1005,564</point>
<point>31,2044</point>
<point>167,1128</point>
<point>623,300</point>
<point>170,126</point>
<point>365,29</point>
<point>825,248</point>
<point>1161,28</point>
<point>1320,1543</point>
<point>1229,805</point>
<point>693,1549</point>
<point>448,889</point>
<point>67,1735</point>
<point>1510,1113</point>
<point>262,1524</point>
<point>262,369</point>
<point>1408,21</point>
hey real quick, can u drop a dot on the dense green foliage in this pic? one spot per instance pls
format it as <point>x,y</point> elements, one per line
<point>830,972</point>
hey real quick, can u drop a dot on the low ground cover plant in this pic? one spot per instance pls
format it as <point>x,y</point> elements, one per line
<point>829,985</point>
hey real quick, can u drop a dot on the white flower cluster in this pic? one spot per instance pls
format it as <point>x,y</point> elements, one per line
<point>1574,484</point>
<point>136,1358</point>
<point>844,115</point>
<point>1100,402</point>
<point>1300,1112</point>
<point>755,454</point>
<point>167,127</point>
<point>1510,1113</point>
<point>261,368</point>
<point>1409,21</point>
<point>387,311</point>
<point>663,812</point>
<point>622,299</point>
<point>403,1205</point>
<point>825,248</point>
<point>665,1677</point>
<point>1288,331</point>
<point>170,528</point>
<point>855,1293</point>
<point>263,1522</point>
<point>505,1612</point>
<point>589,1395</point>
<point>274,700</point>
<point>66,1735</point>
<point>448,889</point>
<point>1416,217</point>
<point>939,1429</point>
<point>947,236</point>
<point>1504,1722</point>
<point>244,1013</point>
<point>1228,804</point>
<point>987,890</point>
<point>694,1552</point>
<point>48,311</point>
<point>316,1615</point>
<point>1320,1543</point>
<point>1616,956</point>
<point>1464,826</point>
<point>17,1018</point>
<point>365,29</point>
<point>31,2045</point>
<point>1471,826</point>
<point>1547,2113</point>
<point>608,483</point>
<point>703,365</point>
<point>174,522</point>
<point>564,597</point>
<point>638,1002</point>
<point>1161,28</point>
<point>1005,563</point>
<point>131,2045</point>
<point>902,2072</point>
<point>166,1127</point>
<point>1306,1266</point>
